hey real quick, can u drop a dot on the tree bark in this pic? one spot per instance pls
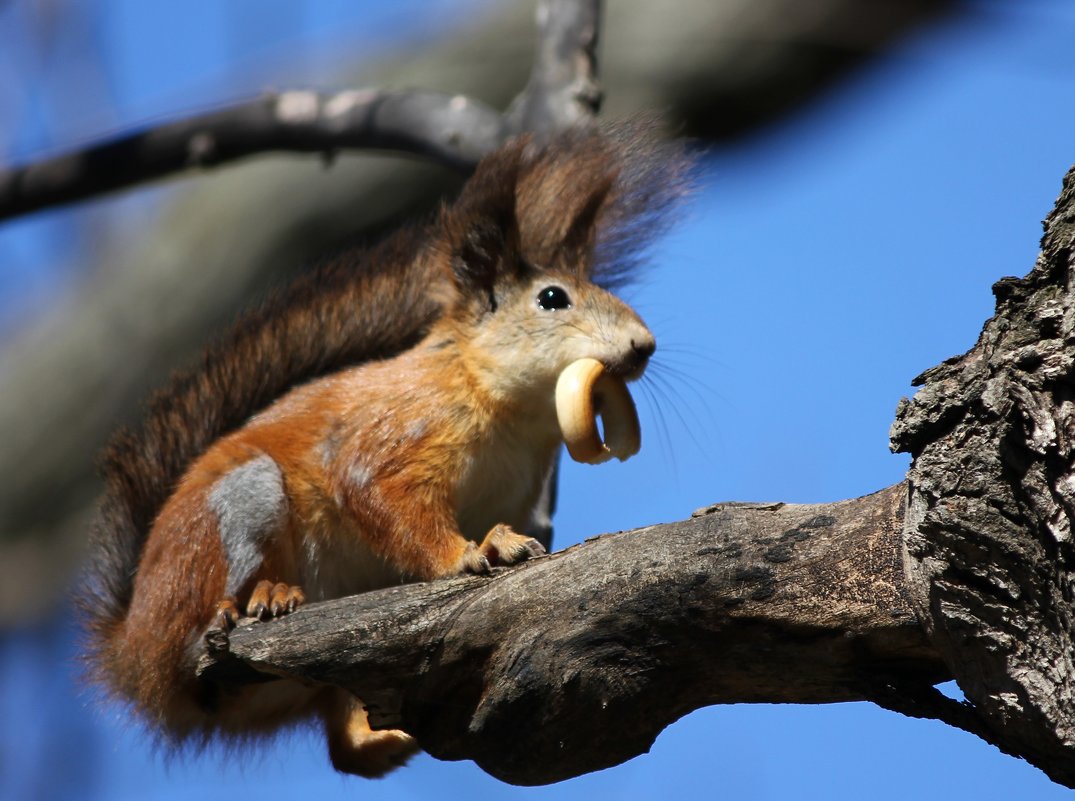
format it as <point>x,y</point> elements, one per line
<point>989,549</point>
<point>576,661</point>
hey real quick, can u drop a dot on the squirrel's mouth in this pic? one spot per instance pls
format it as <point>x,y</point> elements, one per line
<point>632,364</point>
<point>631,373</point>
<point>586,389</point>
<point>625,370</point>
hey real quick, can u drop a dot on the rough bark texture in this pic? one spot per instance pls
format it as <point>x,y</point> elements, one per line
<point>992,498</point>
<point>576,661</point>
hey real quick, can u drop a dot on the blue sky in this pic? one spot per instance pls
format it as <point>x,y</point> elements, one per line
<point>819,267</point>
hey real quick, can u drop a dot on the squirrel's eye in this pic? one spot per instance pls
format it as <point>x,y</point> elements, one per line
<point>552,298</point>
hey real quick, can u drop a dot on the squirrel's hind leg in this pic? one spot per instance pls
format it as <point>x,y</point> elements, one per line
<point>248,504</point>
<point>354,747</point>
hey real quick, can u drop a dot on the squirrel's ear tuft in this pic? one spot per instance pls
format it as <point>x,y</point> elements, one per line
<point>591,200</point>
<point>586,201</point>
<point>477,258</point>
<point>479,228</point>
<point>654,176</point>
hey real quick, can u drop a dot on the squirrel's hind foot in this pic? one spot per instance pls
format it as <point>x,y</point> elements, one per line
<point>354,747</point>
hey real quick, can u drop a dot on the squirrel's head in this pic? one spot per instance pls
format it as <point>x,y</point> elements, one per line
<point>537,237</point>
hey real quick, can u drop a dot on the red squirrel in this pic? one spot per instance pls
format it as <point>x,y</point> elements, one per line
<point>390,417</point>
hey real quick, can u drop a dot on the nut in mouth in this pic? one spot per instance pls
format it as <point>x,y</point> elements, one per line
<point>585,390</point>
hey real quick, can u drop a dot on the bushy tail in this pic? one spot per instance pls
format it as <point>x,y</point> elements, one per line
<point>358,307</point>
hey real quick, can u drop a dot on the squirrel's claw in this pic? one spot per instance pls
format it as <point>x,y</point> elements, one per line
<point>475,561</point>
<point>270,600</point>
<point>502,546</point>
<point>227,615</point>
<point>285,599</point>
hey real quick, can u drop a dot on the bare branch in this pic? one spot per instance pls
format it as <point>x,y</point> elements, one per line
<point>563,88</point>
<point>452,130</point>
<point>601,646</point>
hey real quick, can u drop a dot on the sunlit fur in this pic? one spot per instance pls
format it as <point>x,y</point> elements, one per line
<point>405,397</point>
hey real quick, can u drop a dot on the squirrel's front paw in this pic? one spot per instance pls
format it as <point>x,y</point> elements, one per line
<point>273,600</point>
<point>502,546</point>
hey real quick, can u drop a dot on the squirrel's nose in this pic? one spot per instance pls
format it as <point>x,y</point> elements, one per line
<point>643,346</point>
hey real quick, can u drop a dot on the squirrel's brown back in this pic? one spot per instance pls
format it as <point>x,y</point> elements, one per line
<point>358,307</point>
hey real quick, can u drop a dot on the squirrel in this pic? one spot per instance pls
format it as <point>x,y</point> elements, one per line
<point>389,417</point>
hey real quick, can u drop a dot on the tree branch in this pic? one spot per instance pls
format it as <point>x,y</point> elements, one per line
<point>599,647</point>
<point>562,91</point>
<point>452,130</point>
<point>563,88</point>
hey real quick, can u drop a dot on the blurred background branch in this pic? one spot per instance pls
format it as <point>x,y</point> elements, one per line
<point>447,129</point>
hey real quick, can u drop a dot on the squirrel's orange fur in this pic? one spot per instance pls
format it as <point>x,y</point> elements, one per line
<point>390,420</point>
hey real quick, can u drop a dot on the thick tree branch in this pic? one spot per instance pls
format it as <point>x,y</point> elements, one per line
<point>600,647</point>
<point>577,661</point>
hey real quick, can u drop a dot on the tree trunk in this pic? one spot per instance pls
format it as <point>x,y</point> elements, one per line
<point>989,551</point>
